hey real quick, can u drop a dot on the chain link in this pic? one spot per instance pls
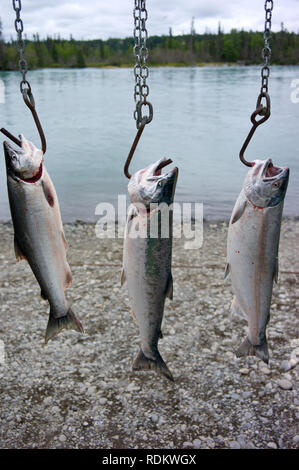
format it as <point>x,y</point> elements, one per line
<point>266,52</point>
<point>141,71</point>
<point>19,27</point>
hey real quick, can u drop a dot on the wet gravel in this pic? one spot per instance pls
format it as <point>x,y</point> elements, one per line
<point>80,392</point>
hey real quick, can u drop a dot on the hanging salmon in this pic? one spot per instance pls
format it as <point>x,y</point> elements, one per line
<point>39,235</point>
<point>252,250</point>
<point>147,259</point>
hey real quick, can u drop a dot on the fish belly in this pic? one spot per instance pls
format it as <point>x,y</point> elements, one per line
<point>40,239</point>
<point>252,255</point>
<point>147,265</point>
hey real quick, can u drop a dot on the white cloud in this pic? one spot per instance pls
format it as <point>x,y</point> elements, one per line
<point>113,18</point>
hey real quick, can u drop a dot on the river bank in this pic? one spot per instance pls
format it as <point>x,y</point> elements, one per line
<point>80,392</point>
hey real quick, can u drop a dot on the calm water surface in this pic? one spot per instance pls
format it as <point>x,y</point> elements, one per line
<point>201,118</point>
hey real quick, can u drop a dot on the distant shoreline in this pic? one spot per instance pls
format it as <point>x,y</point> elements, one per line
<point>206,221</point>
<point>154,66</point>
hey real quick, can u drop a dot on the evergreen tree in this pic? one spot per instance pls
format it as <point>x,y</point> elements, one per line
<point>182,49</point>
<point>2,64</point>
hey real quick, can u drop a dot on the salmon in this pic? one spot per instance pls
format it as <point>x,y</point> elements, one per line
<point>252,250</point>
<point>38,231</point>
<point>147,258</point>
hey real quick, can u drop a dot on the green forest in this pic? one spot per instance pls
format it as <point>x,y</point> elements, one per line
<point>239,47</point>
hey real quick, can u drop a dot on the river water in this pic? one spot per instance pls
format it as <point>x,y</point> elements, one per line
<point>201,118</point>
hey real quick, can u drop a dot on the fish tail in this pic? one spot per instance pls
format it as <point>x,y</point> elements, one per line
<point>68,322</point>
<point>249,349</point>
<point>141,362</point>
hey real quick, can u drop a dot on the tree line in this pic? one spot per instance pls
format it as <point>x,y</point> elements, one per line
<point>243,47</point>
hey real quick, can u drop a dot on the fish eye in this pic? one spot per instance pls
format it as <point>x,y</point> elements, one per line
<point>276,184</point>
<point>159,183</point>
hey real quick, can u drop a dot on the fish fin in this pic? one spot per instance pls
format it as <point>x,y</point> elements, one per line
<point>122,277</point>
<point>68,279</point>
<point>236,308</point>
<point>68,322</point>
<point>238,212</point>
<point>227,271</point>
<point>276,270</point>
<point>133,211</point>
<point>43,295</point>
<point>259,350</point>
<point>169,288</point>
<point>18,251</point>
<point>64,240</point>
<point>134,316</point>
<point>50,197</point>
<point>141,362</point>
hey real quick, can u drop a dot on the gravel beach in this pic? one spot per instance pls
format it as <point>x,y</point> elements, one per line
<point>80,391</point>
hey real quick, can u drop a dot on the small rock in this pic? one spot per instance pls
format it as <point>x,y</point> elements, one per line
<point>293,362</point>
<point>196,444</point>
<point>102,401</point>
<point>187,444</point>
<point>244,371</point>
<point>62,438</point>
<point>154,418</point>
<point>235,396</point>
<point>265,370</point>
<point>132,387</point>
<point>285,365</point>
<point>219,330</point>
<point>285,384</point>
<point>296,439</point>
<point>234,445</point>
<point>272,445</point>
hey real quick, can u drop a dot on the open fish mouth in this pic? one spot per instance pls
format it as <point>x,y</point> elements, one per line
<point>162,164</point>
<point>157,170</point>
<point>271,172</point>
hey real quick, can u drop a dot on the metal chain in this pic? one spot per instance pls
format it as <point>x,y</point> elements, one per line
<point>141,71</point>
<point>266,52</point>
<point>263,110</point>
<point>24,84</point>
<point>19,27</point>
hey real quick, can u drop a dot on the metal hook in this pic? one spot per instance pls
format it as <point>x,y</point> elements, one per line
<point>11,137</point>
<point>133,148</point>
<point>261,111</point>
<point>29,101</point>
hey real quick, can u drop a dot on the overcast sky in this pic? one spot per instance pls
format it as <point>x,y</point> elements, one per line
<point>90,19</point>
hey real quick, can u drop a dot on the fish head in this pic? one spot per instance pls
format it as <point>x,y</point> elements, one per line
<point>265,184</point>
<point>149,185</point>
<point>24,162</point>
